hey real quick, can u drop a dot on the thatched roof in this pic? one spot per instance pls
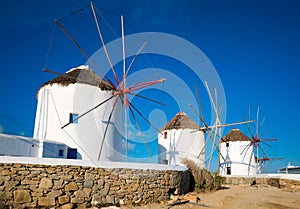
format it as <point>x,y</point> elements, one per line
<point>81,74</point>
<point>235,135</point>
<point>180,121</point>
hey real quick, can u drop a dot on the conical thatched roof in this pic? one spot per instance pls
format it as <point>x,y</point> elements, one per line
<point>81,74</point>
<point>180,121</point>
<point>235,135</point>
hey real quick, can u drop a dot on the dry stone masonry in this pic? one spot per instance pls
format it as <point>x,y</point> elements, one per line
<point>68,186</point>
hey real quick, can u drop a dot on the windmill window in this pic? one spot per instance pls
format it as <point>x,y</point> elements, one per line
<point>61,153</point>
<point>228,170</point>
<point>165,135</point>
<point>227,144</point>
<point>73,118</point>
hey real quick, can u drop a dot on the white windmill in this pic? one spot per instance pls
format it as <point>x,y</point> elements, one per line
<point>103,141</point>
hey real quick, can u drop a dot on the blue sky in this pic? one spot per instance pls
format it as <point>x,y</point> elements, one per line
<point>254,46</point>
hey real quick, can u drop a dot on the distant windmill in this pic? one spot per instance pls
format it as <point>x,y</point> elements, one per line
<point>255,142</point>
<point>214,132</point>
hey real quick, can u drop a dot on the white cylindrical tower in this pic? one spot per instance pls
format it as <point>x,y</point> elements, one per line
<point>178,139</point>
<point>65,98</point>
<point>236,154</point>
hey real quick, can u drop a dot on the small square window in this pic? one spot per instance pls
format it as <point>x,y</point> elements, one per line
<point>165,134</point>
<point>61,153</point>
<point>227,144</point>
<point>73,118</point>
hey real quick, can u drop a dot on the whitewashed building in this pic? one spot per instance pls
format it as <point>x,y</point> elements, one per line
<point>237,154</point>
<point>69,113</point>
<point>181,138</point>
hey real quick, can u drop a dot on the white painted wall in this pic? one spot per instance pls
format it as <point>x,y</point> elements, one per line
<point>180,144</point>
<point>18,146</point>
<point>241,162</point>
<point>56,102</point>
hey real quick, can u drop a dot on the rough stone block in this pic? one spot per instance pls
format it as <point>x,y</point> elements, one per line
<point>47,201</point>
<point>133,187</point>
<point>63,199</point>
<point>88,184</point>
<point>83,193</point>
<point>22,196</point>
<point>67,206</point>
<point>46,183</point>
<point>89,177</point>
<point>54,193</point>
<point>72,186</point>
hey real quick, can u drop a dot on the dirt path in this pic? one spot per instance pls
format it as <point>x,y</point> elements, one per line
<point>261,197</point>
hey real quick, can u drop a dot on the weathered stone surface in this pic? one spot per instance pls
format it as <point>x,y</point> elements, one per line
<point>22,196</point>
<point>133,187</point>
<point>5,172</point>
<point>77,200</point>
<point>157,193</point>
<point>104,191</point>
<point>110,199</point>
<point>84,187</point>
<point>83,193</point>
<point>89,177</point>
<point>54,193</point>
<point>100,182</point>
<point>67,206</point>
<point>63,199</point>
<point>72,186</point>
<point>88,184</point>
<point>46,183</point>
<point>46,201</point>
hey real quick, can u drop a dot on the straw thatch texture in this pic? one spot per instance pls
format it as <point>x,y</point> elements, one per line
<point>235,135</point>
<point>180,121</point>
<point>80,75</point>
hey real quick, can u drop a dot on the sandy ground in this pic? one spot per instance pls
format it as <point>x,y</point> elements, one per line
<point>261,197</point>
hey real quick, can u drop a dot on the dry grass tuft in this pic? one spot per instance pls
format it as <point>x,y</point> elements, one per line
<point>203,179</point>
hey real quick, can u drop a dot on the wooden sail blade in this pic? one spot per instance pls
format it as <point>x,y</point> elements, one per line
<point>142,116</point>
<point>147,98</point>
<point>200,117</point>
<point>83,52</point>
<point>140,132</point>
<point>106,127</point>
<point>90,110</point>
<point>103,45</point>
<point>199,104</point>
<point>135,56</point>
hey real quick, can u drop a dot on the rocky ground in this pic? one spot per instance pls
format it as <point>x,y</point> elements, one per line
<point>258,197</point>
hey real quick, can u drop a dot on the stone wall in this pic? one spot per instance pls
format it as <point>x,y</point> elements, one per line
<point>68,186</point>
<point>285,184</point>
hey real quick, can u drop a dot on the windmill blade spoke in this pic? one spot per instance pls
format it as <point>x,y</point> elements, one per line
<point>147,98</point>
<point>199,103</point>
<point>135,56</point>
<point>106,128</point>
<point>261,123</point>
<point>83,52</point>
<point>140,132</point>
<point>268,139</point>
<point>266,144</point>
<point>257,115</point>
<point>90,110</point>
<point>144,117</point>
<point>261,149</point>
<point>200,117</point>
<point>103,44</point>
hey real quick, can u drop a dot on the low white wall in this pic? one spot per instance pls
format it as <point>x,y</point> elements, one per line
<point>102,164</point>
